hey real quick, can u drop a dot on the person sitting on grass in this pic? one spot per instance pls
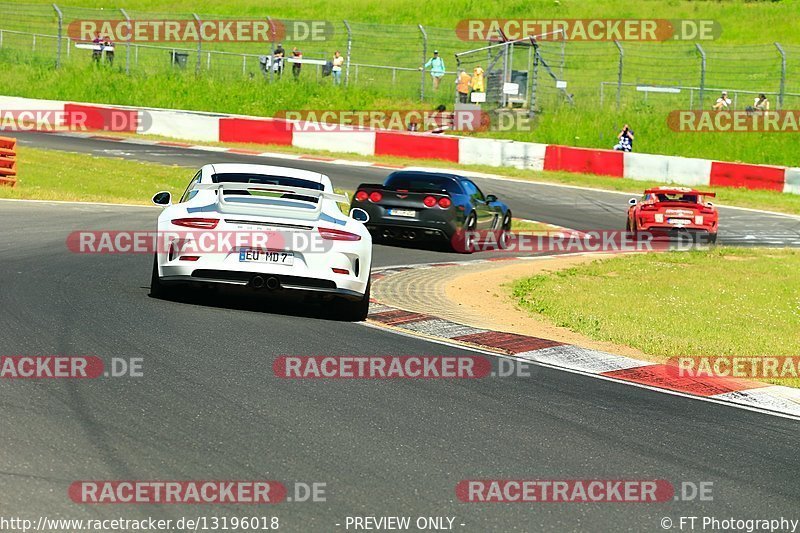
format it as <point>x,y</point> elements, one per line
<point>722,102</point>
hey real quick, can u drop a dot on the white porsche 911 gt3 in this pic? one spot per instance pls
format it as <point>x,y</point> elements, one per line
<point>265,227</point>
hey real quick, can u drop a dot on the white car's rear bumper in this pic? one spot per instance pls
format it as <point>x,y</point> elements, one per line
<point>309,272</point>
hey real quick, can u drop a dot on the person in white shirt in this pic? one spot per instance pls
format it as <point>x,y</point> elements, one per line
<point>338,61</point>
<point>722,102</point>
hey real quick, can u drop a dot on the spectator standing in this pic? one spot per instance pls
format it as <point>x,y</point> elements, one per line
<point>722,102</point>
<point>338,61</point>
<point>436,64</point>
<point>97,50</point>
<point>277,60</point>
<point>108,48</point>
<point>625,138</point>
<point>478,83</point>
<point>297,55</point>
<point>463,83</point>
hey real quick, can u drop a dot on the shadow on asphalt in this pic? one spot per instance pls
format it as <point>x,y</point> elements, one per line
<point>275,302</point>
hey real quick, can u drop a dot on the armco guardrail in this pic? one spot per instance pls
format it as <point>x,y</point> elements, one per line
<point>8,161</point>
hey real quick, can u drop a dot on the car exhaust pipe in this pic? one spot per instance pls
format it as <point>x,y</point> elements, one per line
<point>257,282</point>
<point>273,283</point>
<point>387,234</point>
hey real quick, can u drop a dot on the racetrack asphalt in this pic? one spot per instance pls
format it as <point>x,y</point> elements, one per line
<point>209,407</point>
<point>571,207</point>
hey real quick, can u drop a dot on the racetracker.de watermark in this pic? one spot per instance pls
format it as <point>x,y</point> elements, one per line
<point>588,29</point>
<point>199,242</point>
<point>581,491</point>
<point>75,118</point>
<point>742,121</point>
<point>193,31</point>
<point>756,367</point>
<point>67,367</point>
<point>396,367</point>
<point>591,241</point>
<point>259,492</point>
<point>471,119</point>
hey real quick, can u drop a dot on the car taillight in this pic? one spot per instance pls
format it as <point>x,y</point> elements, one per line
<point>189,258</point>
<point>340,271</point>
<point>429,201</point>
<point>707,210</point>
<point>337,235</point>
<point>361,196</point>
<point>375,197</point>
<point>201,223</point>
<point>445,202</point>
<point>649,207</point>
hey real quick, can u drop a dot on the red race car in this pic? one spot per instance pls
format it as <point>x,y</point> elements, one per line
<point>672,211</point>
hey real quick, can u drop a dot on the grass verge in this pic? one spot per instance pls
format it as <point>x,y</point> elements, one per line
<point>49,175</point>
<point>718,302</point>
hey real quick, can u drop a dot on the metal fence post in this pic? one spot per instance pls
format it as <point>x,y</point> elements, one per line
<point>271,49</point>
<point>128,43</point>
<point>534,78</point>
<point>199,45</point>
<point>619,72</point>
<point>349,50</point>
<point>60,25</point>
<point>783,74</point>
<point>702,73</point>
<point>424,57</point>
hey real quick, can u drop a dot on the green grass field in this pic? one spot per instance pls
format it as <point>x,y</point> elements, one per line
<point>46,175</point>
<point>720,302</point>
<point>744,57</point>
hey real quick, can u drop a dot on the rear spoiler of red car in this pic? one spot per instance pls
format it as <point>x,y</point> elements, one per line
<point>660,190</point>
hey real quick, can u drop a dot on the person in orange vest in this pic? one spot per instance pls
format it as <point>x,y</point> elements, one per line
<point>477,80</point>
<point>462,86</point>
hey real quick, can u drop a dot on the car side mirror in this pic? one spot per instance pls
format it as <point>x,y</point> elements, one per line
<point>163,198</point>
<point>491,198</point>
<point>709,204</point>
<point>359,215</point>
<point>632,201</point>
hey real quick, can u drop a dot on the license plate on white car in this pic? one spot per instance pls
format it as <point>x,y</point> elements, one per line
<point>679,221</point>
<point>402,212</point>
<point>247,255</point>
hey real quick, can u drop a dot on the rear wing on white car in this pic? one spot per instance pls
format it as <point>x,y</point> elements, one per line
<point>270,199</point>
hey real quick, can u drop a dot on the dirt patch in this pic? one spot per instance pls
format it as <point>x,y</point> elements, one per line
<point>485,297</point>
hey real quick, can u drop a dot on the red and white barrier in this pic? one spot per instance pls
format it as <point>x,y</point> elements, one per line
<point>791,180</point>
<point>181,125</point>
<point>666,168</point>
<point>197,126</point>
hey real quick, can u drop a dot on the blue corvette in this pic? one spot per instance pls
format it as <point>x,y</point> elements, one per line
<point>419,205</point>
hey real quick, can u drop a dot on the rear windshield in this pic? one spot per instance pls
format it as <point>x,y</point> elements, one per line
<point>677,197</point>
<point>423,182</point>
<point>262,179</point>
<point>268,197</point>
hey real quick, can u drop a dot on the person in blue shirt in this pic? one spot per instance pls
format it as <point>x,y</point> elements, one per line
<point>436,64</point>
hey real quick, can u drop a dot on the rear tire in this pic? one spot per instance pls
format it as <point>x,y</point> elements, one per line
<point>505,230</point>
<point>465,239</point>
<point>712,238</point>
<point>354,311</point>
<point>159,289</point>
